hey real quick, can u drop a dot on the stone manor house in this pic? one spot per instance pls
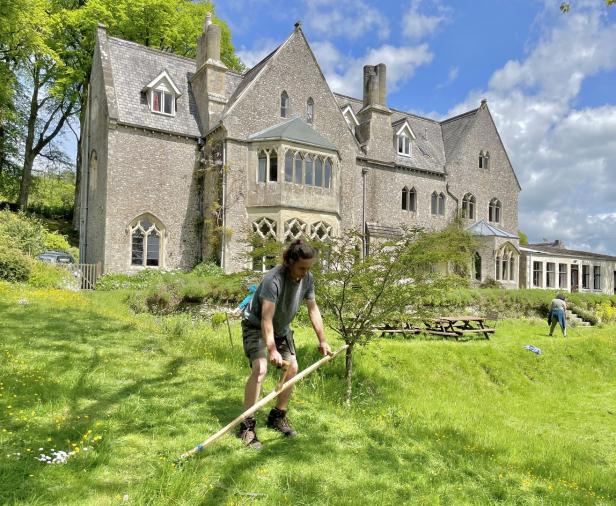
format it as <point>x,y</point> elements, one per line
<point>185,159</point>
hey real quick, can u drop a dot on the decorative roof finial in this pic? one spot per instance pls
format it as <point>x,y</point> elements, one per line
<point>208,21</point>
<point>298,25</point>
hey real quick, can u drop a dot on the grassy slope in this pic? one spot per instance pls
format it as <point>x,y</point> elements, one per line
<point>433,422</point>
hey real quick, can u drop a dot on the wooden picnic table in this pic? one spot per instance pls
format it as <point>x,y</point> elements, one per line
<point>397,328</point>
<point>457,326</point>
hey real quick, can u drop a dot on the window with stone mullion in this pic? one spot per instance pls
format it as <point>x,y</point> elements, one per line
<point>288,166</point>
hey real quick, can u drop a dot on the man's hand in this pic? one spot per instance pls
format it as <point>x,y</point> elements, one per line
<point>275,357</point>
<point>325,349</point>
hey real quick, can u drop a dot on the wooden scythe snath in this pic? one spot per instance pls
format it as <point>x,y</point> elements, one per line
<point>281,387</point>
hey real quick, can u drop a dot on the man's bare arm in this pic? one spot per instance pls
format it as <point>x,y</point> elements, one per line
<point>317,324</point>
<point>267,329</point>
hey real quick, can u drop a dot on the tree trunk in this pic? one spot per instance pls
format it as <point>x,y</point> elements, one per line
<point>29,155</point>
<point>26,178</point>
<point>349,374</point>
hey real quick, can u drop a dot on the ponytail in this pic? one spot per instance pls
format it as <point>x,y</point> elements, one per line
<point>298,250</point>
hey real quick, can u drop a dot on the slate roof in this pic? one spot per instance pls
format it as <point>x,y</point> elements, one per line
<point>245,80</point>
<point>296,130</point>
<point>454,129</point>
<point>482,228</point>
<point>436,140</point>
<point>560,251</point>
<point>133,66</point>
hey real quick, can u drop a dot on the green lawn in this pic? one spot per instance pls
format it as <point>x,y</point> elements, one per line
<point>432,422</point>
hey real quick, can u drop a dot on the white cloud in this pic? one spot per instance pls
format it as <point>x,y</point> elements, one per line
<point>452,75</point>
<point>349,19</point>
<point>260,50</point>
<point>564,157</point>
<point>345,74</point>
<point>417,25</point>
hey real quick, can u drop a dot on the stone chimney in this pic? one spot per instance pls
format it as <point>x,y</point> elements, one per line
<point>208,82</point>
<point>374,130</point>
<point>558,244</point>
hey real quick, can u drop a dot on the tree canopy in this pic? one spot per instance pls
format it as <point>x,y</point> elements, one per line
<point>46,49</point>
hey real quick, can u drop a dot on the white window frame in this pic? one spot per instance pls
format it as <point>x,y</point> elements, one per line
<point>165,96</point>
<point>404,138</point>
<point>164,85</point>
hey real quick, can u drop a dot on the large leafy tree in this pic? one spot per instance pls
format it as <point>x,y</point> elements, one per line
<point>47,46</point>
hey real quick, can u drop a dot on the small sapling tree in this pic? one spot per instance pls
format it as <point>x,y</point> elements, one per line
<point>399,281</point>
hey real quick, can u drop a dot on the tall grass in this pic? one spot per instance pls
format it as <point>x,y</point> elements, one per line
<point>432,422</point>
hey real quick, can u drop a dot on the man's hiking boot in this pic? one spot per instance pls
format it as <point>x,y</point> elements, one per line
<point>277,420</point>
<point>248,434</point>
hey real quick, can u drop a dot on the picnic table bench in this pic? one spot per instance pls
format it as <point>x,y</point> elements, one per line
<point>457,326</point>
<point>391,329</point>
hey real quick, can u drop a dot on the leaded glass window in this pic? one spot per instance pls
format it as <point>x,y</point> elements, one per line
<point>146,244</point>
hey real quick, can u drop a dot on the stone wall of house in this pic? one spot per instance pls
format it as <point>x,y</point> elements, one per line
<point>295,71</point>
<point>156,174</point>
<point>465,176</point>
<point>94,166</point>
<point>384,198</point>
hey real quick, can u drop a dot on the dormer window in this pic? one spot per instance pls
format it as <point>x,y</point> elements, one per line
<point>162,94</point>
<point>163,102</point>
<point>284,105</point>
<point>350,117</point>
<point>404,136</point>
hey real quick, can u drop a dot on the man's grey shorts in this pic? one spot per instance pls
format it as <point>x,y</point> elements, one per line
<point>254,344</point>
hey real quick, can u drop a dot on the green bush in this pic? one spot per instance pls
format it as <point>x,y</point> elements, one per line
<point>14,265</point>
<point>46,275</point>
<point>159,299</point>
<point>207,269</point>
<point>490,283</point>
<point>23,232</point>
<point>193,292</point>
<point>55,241</point>
<point>217,319</point>
<point>606,312</point>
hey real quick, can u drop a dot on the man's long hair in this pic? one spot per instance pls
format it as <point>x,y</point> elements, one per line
<point>297,250</point>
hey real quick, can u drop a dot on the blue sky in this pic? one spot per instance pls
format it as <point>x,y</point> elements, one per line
<point>550,81</point>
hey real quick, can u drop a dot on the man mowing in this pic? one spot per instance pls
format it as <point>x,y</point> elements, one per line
<point>266,332</point>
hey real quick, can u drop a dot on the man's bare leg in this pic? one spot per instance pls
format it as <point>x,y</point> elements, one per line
<point>283,398</point>
<point>255,380</point>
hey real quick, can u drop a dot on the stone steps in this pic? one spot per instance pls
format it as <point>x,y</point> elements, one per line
<point>575,319</point>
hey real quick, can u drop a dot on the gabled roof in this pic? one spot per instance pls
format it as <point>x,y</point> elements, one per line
<point>296,130</point>
<point>402,125</point>
<point>482,228</point>
<point>164,75</point>
<point>347,109</point>
<point>455,130</point>
<point>248,78</point>
<point>133,66</point>
<point>560,251</point>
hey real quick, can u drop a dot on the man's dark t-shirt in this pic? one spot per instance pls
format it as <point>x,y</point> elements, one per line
<point>278,287</point>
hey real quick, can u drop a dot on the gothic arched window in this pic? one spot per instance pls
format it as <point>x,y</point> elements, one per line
<point>494,211</point>
<point>468,206</point>
<point>146,242</point>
